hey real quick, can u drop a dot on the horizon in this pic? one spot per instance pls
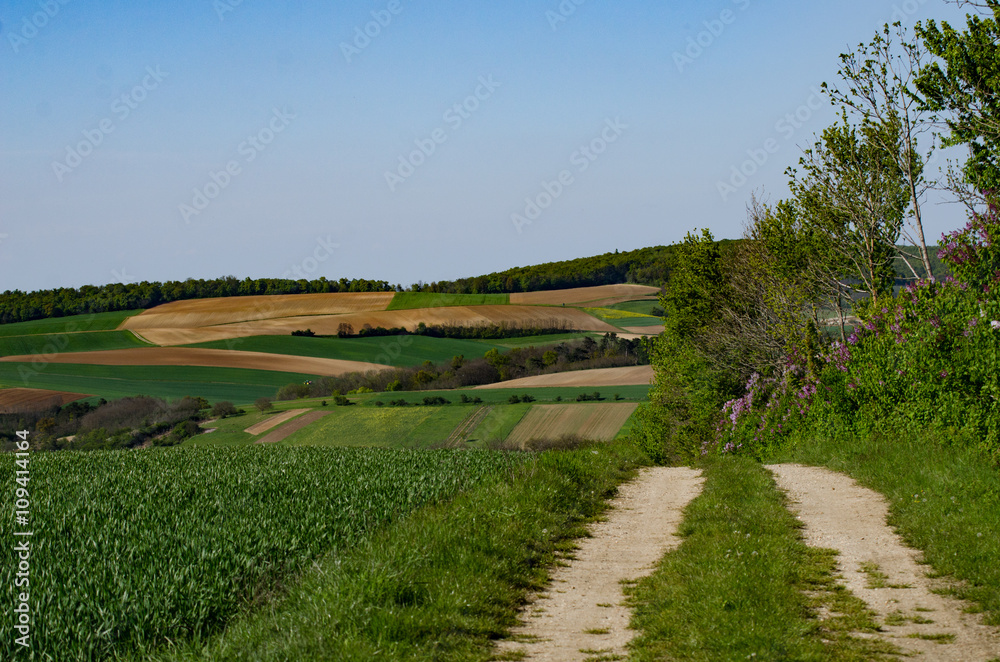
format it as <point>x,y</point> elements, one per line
<point>146,143</point>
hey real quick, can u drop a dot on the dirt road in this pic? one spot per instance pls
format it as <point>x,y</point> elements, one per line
<point>840,514</point>
<point>582,615</point>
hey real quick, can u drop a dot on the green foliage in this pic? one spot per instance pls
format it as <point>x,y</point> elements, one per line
<point>964,83</point>
<point>164,545</point>
<point>223,409</point>
<point>691,299</point>
<point>648,266</point>
<point>263,404</point>
<point>17,306</point>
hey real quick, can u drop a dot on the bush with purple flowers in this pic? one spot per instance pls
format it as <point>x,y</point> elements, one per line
<point>927,358</point>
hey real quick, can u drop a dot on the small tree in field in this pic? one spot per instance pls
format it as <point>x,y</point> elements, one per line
<point>223,409</point>
<point>263,404</point>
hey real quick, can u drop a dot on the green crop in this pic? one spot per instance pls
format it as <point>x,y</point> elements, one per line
<point>131,549</point>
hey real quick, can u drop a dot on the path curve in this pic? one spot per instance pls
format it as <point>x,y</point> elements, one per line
<point>587,594</point>
<point>840,514</point>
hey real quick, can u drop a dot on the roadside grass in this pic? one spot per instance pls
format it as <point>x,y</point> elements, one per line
<point>413,300</point>
<point>398,351</point>
<point>944,500</point>
<point>442,584</point>
<point>385,427</point>
<point>744,585</point>
<point>71,324</point>
<point>214,384</point>
<point>86,341</point>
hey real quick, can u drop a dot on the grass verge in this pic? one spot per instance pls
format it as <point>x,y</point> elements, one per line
<point>744,585</point>
<point>943,500</point>
<point>443,583</point>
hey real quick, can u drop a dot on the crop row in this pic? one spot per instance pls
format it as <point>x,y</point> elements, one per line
<point>131,549</point>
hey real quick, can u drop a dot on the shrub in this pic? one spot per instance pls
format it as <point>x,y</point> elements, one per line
<point>263,404</point>
<point>223,409</point>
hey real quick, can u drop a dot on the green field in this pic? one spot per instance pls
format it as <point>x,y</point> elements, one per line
<point>640,307</point>
<point>502,395</point>
<point>72,324</point>
<point>499,422</point>
<point>385,427</point>
<point>171,382</point>
<point>624,318</point>
<point>398,351</point>
<point>141,548</point>
<point>413,300</point>
<point>539,341</point>
<point>88,341</point>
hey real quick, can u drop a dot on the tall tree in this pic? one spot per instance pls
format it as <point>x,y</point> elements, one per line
<point>854,196</point>
<point>879,83</point>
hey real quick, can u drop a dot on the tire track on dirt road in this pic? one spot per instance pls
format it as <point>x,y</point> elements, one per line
<point>582,612</point>
<point>840,514</point>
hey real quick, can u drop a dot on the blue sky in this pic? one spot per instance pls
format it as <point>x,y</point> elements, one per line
<point>158,141</point>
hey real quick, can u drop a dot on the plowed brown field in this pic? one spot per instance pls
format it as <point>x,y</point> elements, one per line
<point>570,318</point>
<point>599,422</point>
<point>594,297</point>
<point>209,312</point>
<point>631,376</point>
<point>215,358</point>
<point>25,399</point>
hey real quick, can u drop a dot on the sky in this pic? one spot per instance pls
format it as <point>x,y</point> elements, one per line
<point>400,140</point>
